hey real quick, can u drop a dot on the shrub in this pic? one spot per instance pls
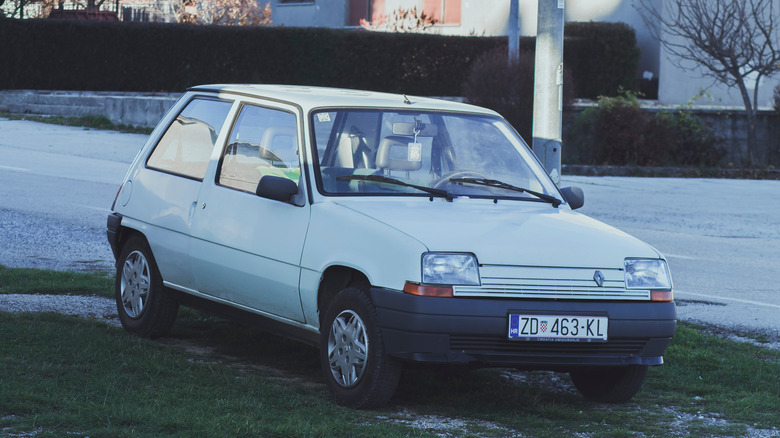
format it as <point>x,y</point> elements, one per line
<point>618,132</point>
<point>604,56</point>
<point>507,88</point>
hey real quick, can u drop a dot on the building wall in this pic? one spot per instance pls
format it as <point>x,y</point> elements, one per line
<point>315,13</point>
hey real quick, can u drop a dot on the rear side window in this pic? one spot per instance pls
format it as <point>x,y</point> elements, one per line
<point>186,146</point>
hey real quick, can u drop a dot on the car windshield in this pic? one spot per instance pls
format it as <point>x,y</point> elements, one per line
<point>375,152</point>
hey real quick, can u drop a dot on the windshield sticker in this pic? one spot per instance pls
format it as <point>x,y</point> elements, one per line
<point>415,152</point>
<point>323,117</point>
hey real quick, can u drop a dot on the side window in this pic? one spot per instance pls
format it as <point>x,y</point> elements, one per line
<point>186,146</point>
<point>263,142</point>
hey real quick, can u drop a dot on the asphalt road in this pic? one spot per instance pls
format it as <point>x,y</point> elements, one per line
<point>57,184</point>
<point>721,237</point>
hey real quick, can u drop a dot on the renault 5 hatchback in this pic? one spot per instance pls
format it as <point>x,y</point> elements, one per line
<point>386,230</point>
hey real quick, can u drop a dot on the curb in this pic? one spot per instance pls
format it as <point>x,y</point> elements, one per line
<point>670,172</point>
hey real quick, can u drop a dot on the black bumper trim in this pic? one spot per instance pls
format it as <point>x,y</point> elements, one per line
<point>474,331</point>
<point>114,233</point>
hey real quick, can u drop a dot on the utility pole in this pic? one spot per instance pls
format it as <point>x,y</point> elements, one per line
<point>548,86</point>
<point>514,32</point>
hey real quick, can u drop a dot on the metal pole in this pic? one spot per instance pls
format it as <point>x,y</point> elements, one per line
<point>548,86</point>
<point>514,33</point>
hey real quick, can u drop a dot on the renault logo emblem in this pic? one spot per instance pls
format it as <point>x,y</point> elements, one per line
<point>598,277</point>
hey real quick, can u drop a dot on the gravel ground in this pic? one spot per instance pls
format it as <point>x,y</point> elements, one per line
<point>75,305</point>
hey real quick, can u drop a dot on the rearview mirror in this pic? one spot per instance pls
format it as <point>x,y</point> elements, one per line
<point>276,188</point>
<point>574,196</point>
<point>407,128</point>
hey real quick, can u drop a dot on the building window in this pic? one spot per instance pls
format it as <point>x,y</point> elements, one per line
<point>368,10</point>
<point>443,11</point>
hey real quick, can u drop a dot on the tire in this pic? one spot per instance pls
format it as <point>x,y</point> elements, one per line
<point>144,305</point>
<point>352,355</point>
<point>610,384</point>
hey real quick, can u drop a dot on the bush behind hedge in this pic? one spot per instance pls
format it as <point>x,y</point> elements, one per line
<point>618,132</point>
<point>116,56</point>
<point>508,88</point>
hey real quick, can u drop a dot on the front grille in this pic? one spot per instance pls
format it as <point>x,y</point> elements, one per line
<point>492,345</point>
<point>540,282</point>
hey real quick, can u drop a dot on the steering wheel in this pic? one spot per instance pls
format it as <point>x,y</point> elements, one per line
<point>444,180</point>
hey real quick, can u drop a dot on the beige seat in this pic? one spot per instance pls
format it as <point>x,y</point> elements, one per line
<point>394,154</point>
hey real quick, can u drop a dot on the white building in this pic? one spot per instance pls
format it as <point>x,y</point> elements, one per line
<point>490,18</point>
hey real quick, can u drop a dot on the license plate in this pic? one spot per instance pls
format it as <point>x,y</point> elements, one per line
<point>564,328</point>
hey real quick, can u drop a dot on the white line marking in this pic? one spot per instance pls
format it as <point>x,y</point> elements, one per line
<point>18,169</point>
<point>737,300</point>
<point>675,256</point>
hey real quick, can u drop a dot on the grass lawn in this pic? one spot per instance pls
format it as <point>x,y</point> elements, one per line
<point>64,375</point>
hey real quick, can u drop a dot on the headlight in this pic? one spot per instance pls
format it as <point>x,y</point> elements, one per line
<point>647,274</point>
<point>449,268</point>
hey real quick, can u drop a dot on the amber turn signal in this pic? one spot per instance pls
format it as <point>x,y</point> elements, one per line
<point>661,295</point>
<point>428,291</point>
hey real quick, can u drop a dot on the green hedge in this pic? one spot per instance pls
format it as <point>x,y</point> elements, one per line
<point>602,56</point>
<point>115,56</point>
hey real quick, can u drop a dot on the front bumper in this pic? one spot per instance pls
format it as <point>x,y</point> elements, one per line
<point>474,331</point>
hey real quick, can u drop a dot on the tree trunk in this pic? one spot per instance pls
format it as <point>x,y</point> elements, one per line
<point>755,93</point>
<point>751,119</point>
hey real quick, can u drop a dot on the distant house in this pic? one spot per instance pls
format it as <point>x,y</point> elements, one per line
<point>490,18</point>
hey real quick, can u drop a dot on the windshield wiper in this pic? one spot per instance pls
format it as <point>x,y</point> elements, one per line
<point>502,185</point>
<point>383,179</point>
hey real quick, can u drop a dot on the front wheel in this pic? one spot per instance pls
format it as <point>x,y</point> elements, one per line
<point>145,307</point>
<point>610,384</point>
<point>352,355</point>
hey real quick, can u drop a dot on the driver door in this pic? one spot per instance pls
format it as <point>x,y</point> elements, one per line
<point>246,249</point>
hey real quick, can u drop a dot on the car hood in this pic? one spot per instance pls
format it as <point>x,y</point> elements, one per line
<point>507,232</point>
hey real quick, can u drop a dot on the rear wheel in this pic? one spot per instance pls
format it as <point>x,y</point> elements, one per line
<point>145,307</point>
<point>352,355</point>
<point>610,384</point>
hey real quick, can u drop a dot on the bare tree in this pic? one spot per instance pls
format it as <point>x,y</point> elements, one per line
<point>31,8</point>
<point>731,40</point>
<point>401,20</point>
<point>234,13</point>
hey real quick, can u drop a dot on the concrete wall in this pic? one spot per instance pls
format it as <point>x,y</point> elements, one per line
<point>136,109</point>
<point>731,125</point>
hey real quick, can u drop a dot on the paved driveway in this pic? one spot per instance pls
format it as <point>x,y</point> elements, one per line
<point>722,237</point>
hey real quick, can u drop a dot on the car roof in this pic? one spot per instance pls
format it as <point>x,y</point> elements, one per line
<point>309,97</point>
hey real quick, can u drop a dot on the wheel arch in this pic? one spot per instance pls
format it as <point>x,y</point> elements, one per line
<point>123,234</point>
<point>335,279</point>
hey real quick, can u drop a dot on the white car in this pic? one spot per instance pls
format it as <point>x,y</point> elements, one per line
<point>386,230</point>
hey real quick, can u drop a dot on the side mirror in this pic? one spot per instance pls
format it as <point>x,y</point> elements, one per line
<point>574,197</point>
<point>276,188</point>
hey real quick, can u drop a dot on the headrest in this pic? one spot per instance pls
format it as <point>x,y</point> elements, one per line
<point>394,153</point>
